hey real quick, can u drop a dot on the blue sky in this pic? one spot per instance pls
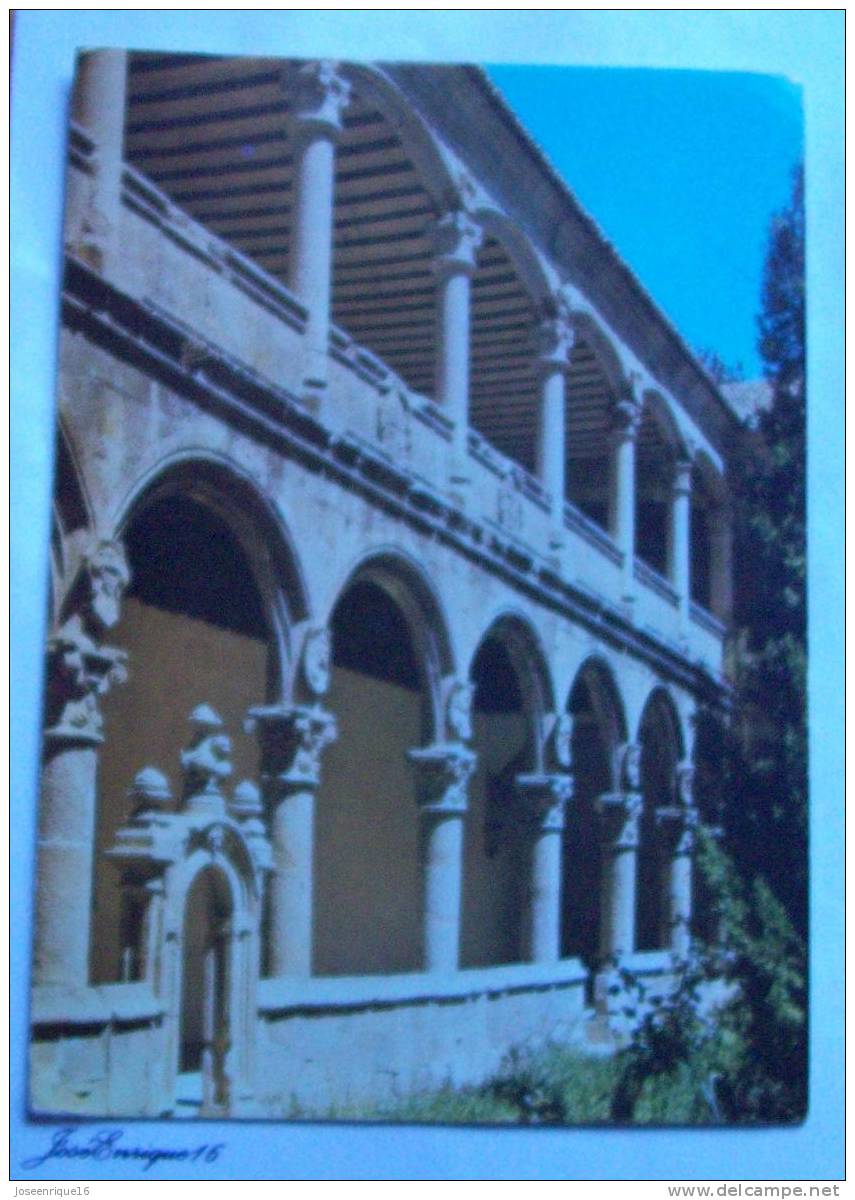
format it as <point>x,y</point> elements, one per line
<point>682,171</point>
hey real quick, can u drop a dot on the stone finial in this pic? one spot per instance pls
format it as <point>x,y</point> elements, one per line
<point>458,710</point>
<point>246,808</point>
<point>318,95</point>
<point>150,790</point>
<point>206,761</point>
<point>246,801</point>
<point>317,658</point>
<point>620,814</point>
<point>443,774</point>
<point>456,240</point>
<point>292,739</point>
<point>545,799</point>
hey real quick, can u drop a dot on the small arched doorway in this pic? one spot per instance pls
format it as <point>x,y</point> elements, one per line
<point>206,971</point>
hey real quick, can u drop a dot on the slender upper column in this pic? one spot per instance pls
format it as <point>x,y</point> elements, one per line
<point>554,341</point>
<point>292,739</point>
<point>680,538</point>
<point>627,419</point>
<point>621,815</point>
<point>318,96</point>
<point>544,798</point>
<point>456,240</point>
<point>98,104</point>
<point>679,824</point>
<point>79,671</point>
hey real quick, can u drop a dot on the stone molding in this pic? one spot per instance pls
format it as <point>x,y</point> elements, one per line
<point>443,772</point>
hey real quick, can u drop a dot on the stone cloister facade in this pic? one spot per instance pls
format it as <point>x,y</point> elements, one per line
<point>390,572</point>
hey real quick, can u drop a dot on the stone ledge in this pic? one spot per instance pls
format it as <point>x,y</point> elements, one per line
<point>368,991</point>
<point>120,1003</point>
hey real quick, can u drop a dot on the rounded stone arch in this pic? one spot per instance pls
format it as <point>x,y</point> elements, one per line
<point>660,736</point>
<point>528,658</point>
<point>429,159</point>
<point>219,486</point>
<point>537,277</point>
<point>410,589</point>
<point>589,329</point>
<point>662,416</point>
<point>599,728</point>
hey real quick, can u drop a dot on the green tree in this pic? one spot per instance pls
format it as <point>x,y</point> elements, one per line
<point>766,808</point>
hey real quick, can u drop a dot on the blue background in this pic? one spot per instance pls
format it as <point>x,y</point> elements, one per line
<point>807,46</point>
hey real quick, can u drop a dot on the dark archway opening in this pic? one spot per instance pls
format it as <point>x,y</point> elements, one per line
<point>194,630</point>
<point>367,874</point>
<point>659,757</point>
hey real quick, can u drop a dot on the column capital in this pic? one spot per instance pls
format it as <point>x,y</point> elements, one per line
<point>458,710</point>
<point>682,482</point>
<point>443,773</point>
<point>545,798</point>
<point>456,240</point>
<point>679,826</point>
<point>318,95</point>
<point>626,418</point>
<point>553,338</point>
<point>621,818</point>
<point>292,739</point>
<point>78,672</point>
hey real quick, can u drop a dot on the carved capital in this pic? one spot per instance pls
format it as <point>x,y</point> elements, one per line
<point>318,95</point>
<point>620,814</point>
<point>626,419</point>
<point>544,800</point>
<point>317,657</point>
<point>206,761</point>
<point>78,672</point>
<point>679,827</point>
<point>443,773</point>
<point>456,240</point>
<point>553,342</point>
<point>292,739</point>
<point>682,482</point>
<point>97,596</point>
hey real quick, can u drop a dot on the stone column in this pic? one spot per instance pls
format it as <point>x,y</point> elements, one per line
<point>680,538</point>
<point>79,671</point>
<point>620,814</point>
<point>544,799</point>
<point>98,104</point>
<point>627,418</point>
<point>318,96</point>
<point>456,240</point>
<point>292,740</point>
<point>679,824</point>
<point>554,343</point>
<point>443,773</point>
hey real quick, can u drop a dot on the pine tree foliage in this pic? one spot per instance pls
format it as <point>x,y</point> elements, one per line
<point>763,776</point>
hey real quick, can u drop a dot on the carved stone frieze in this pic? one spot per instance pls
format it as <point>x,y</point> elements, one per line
<point>510,505</point>
<point>393,427</point>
